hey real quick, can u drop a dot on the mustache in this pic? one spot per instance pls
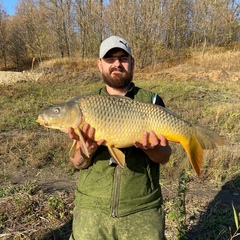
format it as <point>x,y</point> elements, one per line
<point>117,69</point>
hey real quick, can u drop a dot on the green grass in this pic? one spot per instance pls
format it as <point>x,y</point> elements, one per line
<point>198,102</point>
<point>28,211</point>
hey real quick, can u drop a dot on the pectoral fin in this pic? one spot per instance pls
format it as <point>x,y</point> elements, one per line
<point>117,154</point>
<point>73,149</point>
<point>74,145</point>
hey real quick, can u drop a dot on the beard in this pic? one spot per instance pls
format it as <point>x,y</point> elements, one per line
<point>118,81</point>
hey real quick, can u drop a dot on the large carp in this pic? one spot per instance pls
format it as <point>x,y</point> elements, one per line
<point>121,121</point>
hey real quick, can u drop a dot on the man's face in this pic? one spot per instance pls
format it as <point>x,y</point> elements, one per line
<point>117,68</point>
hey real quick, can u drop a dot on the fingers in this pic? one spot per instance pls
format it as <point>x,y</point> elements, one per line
<point>145,141</point>
<point>100,142</point>
<point>88,133</point>
<point>80,160</point>
<point>150,140</point>
<point>145,144</point>
<point>72,134</point>
<point>85,128</point>
<point>163,141</point>
<point>154,139</point>
<point>137,144</point>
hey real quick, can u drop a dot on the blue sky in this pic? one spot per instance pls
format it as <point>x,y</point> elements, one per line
<point>9,5</point>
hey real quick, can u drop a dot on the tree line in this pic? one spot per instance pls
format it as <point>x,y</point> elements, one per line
<point>155,29</point>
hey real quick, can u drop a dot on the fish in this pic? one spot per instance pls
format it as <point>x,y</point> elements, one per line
<point>121,121</point>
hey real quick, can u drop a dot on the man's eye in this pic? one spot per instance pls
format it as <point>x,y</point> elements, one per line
<point>124,59</point>
<point>109,60</point>
<point>113,59</point>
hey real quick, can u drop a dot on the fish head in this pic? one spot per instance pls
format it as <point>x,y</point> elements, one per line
<point>62,116</point>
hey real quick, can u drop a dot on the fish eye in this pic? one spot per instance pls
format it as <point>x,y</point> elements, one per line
<point>56,110</point>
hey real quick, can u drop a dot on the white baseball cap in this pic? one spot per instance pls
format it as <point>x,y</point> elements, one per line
<point>113,42</point>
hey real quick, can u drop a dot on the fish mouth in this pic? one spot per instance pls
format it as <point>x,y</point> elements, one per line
<point>42,121</point>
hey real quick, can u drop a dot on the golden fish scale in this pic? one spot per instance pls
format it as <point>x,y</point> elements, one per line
<point>122,121</point>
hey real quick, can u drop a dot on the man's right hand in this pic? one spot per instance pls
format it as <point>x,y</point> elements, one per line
<point>80,160</point>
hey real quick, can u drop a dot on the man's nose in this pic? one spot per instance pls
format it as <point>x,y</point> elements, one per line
<point>117,62</point>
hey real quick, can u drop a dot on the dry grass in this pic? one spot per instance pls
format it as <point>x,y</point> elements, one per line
<point>217,59</point>
<point>72,64</point>
<point>203,90</point>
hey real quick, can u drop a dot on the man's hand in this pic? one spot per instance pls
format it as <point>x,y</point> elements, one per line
<point>80,160</point>
<point>155,147</point>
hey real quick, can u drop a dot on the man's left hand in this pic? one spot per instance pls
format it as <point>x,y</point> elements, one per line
<point>155,147</point>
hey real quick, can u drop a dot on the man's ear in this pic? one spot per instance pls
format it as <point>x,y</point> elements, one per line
<point>99,64</point>
<point>132,63</point>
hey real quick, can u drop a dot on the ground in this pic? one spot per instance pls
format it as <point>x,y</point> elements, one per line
<point>202,198</point>
<point>203,201</point>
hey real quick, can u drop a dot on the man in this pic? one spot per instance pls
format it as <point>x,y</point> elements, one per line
<point>113,202</point>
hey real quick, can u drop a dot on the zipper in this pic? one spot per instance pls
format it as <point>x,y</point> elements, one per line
<point>116,191</point>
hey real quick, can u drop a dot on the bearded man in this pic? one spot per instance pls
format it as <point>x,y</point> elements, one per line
<point>113,202</point>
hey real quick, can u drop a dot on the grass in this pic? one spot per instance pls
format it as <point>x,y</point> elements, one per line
<point>28,204</point>
<point>27,150</point>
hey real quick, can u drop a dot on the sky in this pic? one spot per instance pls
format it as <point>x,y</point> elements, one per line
<point>9,6</point>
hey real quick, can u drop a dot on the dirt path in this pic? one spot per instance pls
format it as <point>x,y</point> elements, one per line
<point>12,77</point>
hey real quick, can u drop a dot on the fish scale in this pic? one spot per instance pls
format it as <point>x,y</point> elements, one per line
<point>125,114</point>
<point>120,121</point>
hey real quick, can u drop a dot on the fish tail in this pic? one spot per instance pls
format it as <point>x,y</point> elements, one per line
<point>201,139</point>
<point>194,151</point>
<point>208,139</point>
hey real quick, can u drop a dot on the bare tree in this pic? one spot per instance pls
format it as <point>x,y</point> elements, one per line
<point>58,16</point>
<point>214,22</point>
<point>139,21</point>
<point>3,35</point>
<point>32,28</point>
<point>16,45</point>
<point>89,25</point>
<point>156,29</point>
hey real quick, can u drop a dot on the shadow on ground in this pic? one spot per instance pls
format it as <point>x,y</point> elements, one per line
<point>217,222</point>
<point>62,233</point>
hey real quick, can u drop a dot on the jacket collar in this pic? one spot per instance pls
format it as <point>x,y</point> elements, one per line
<point>129,93</point>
